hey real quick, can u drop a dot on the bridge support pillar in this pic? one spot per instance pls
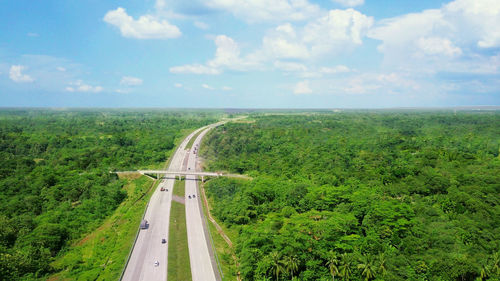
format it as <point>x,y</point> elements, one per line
<point>202,179</point>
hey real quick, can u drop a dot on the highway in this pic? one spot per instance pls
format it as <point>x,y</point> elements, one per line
<point>148,247</point>
<point>203,267</point>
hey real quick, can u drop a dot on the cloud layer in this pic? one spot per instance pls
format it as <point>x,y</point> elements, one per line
<point>16,74</point>
<point>146,27</point>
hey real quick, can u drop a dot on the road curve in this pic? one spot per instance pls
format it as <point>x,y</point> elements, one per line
<point>148,247</point>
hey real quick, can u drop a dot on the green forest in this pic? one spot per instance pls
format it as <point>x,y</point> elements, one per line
<point>55,185</point>
<point>361,195</point>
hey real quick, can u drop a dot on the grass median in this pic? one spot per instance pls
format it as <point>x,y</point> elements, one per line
<point>179,188</point>
<point>191,141</point>
<point>179,267</point>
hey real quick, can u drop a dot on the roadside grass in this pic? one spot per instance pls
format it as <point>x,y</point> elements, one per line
<point>179,267</point>
<point>232,232</point>
<point>225,253</point>
<point>191,141</point>
<point>179,188</point>
<point>102,254</point>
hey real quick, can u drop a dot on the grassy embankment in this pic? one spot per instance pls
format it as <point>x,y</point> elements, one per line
<point>179,267</point>
<point>225,253</point>
<point>102,254</point>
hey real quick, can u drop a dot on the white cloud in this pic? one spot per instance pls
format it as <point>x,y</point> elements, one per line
<point>283,48</point>
<point>376,83</point>
<point>226,88</point>
<point>259,10</point>
<point>194,69</point>
<point>398,33</point>
<point>302,88</point>
<point>178,85</point>
<point>122,91</point>
<point>349,3</point>
<point>131,81</point>
<point>478,20</point>
<point>201,25</point>
<point>282,42</point>
<point>290,66</point>
<point>32,34</point>
<point>146,27</point>
<point>335,69</point>
<point>447,39</point>
<point>227,55</point>
<point>160,4</point>
<point>16,74</point>
<point>337,31</point>
<point>205,86</point>
<point>438,46</point>
<point>287,29</point>
<point>61,69</point>
<point>79,86</point>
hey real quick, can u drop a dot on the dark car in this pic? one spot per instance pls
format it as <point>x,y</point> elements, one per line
<point>194,196</point>
<point>163,241</point>
<point>189,196</point>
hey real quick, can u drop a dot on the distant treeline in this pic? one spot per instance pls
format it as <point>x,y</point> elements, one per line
<point>361,196</point>
<point>55,184</point>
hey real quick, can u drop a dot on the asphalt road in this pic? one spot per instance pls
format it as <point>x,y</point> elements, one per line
<point>203,267</point>
<point>148,247</point>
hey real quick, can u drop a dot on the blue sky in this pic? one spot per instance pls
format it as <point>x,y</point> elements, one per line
<point>249,53</point>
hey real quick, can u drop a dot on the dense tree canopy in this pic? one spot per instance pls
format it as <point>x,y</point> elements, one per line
<point>361,196</point>
<point>55,184</point>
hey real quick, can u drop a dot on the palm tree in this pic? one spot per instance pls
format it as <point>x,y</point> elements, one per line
<point>332,263</point>
<point>291,264</point>
<point>495,267</point>
<point>345,268</point>
<point>485,272</point>
<point>381,265</point>
<point>367,267</point>
<point>276,265</point>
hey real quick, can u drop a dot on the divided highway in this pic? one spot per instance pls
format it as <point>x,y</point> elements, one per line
<point>148,247</point>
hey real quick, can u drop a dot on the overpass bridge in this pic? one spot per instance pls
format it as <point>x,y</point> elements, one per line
<point>159,173</point>
<point>179,173</point>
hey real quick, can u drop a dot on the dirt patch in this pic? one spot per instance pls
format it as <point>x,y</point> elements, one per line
<point>128,175</point>
<point>179,199</point>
